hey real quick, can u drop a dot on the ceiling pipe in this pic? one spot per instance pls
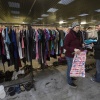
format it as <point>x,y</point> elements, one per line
<point>31,9</point>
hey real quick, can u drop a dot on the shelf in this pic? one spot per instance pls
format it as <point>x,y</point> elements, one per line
<point>25,79</point>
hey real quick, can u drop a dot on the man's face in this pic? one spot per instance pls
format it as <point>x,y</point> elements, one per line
<point>97,27</point>
<point>76,29</point>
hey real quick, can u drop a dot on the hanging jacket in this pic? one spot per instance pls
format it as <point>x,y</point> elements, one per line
<point>27,44</point>
<point>22,43</point>
<point>37,53</point>
<point>56,42</point>
<point>11,49</point>
<point>6,40</point>
<point>7,37</point>
<point>19,45</point>
<point>62,34</point>
<point>0,42</point>
<point>47,38</point>
<point>15,44</point>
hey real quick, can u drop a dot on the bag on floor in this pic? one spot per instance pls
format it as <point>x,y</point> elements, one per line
<point>2,92</point>
<point>62,61</point>
<point>78,65</point>
<point>55,63</point>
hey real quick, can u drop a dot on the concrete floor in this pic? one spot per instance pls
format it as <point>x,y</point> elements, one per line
<point>51,84</point>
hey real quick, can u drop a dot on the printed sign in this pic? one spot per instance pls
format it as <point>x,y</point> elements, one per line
<point>78,65</point>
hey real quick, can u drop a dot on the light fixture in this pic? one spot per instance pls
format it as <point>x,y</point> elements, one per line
<point>71,18</point>
<point>83,14</point>
<point>98,10</point>
<point>52,10</point>
<point>40,18</point>
<point>44,15</point>
<point>84,22</point>
<point>14,4</point>
<point>65,2</point>
<point>15,12</point>
<point>62,22</point>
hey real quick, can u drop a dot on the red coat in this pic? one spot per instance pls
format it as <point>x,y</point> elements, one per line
<point>71,42</point>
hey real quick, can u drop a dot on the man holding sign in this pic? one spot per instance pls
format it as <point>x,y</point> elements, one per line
<point>73,45</point>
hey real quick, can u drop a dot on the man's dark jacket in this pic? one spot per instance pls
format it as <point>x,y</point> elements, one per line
<point>97,48</point>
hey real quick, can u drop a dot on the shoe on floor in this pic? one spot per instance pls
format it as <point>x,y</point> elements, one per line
<point>93,79</point>
<point>74,79</point>
<point>73,85</point>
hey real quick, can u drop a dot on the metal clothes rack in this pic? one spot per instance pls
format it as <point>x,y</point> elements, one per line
<point>19,81</point>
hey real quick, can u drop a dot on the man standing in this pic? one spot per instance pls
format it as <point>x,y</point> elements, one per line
<point>72,45</point>
<point>96,78</point>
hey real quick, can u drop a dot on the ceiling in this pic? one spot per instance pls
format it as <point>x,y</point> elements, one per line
<point>28,11</point>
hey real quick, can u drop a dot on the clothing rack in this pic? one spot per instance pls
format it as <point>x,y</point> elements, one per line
<point>20,81</point>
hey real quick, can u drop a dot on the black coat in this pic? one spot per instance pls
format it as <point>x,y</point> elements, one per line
<point>97,48</point>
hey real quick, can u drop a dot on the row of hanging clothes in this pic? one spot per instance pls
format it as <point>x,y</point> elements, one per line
<point>29,43</point>
<point>15,45</point>
<point>49,43</point>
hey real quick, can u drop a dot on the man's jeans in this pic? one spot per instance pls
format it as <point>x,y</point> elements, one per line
<point>69,64</point>
<point>97,76</point>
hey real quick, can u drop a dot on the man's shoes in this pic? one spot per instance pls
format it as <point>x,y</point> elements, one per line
<point>73,85</point>
<point>74,79</point>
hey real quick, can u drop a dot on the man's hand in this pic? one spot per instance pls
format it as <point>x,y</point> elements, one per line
<point>77,51</point>
<point>92,45</point>
<point>83,45</point>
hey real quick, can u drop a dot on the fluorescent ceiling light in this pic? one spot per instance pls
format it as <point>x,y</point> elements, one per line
<point>84,22</point>
<point>71,18</point>
<point>44,15</point>
<point>14,4</point>
<point>52,10</point>
<point>62,22</point>
<point>40,18</point>
<point>65,2</point>
<point>83,15</point>
<point>15,12</point>
<point>98,10</point>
